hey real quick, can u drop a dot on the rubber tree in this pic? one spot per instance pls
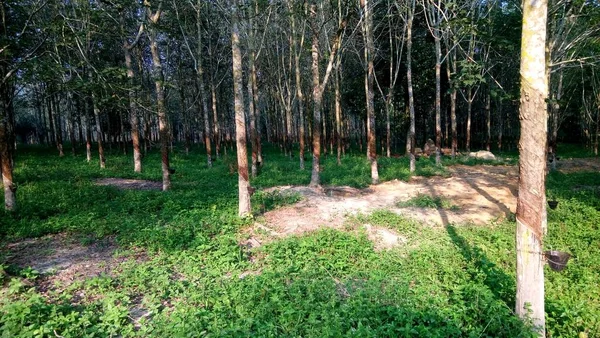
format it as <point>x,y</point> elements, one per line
<point>433,15</point>
<point>153,18</point>
<point>240,119</point>
<point>531,201</point>
<point>369,51</point>
<point>319,85</point>
<point>407,12</point>
<point>133,111</point>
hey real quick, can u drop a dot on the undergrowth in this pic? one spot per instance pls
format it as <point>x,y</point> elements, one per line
<point>431,202</point>
<point>197,280</point>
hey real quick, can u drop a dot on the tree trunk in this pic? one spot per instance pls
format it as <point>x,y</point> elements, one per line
<point>88,131</point>
<point>57,124</point>
<point>453,66</point>
<point>71,122</point>
<point>315,179</point>
<point>411,100</point>
<point>133,113</point>
<point>254,146</point>
<point>6,149</point>
<point>531,202</point>
<point>216,134</point>
<point>299,94</point>
<point>240,122</point>
<point>469,111</point>
<point>369,78</point>
<point>163,127</point>
<point>52,135</point>
<point>98,131</point>
<point>438,99</point>
<point>389,108</point>
<point>256,141</point>
<point>488,120</point>
<point>203,98</point>
<point>300,97</point>
<point>500,125</point>
<point>554,115</point>
<point>338,115</point>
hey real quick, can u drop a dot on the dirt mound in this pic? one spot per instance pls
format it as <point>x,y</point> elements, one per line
<point>130,184</point>
<point>480,193</point>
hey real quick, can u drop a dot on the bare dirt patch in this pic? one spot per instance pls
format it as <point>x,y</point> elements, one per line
<point>481,194</point>
<point>130,184</point>
<point>62,259</point>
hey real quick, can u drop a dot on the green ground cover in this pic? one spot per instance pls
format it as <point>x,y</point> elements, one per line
<point>456,281</point>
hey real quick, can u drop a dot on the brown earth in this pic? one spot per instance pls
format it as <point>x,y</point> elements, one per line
<point>480,193</point>
<point>62,259</point>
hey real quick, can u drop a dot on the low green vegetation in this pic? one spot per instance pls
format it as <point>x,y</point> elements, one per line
<point>431,202</point>
<point>184,272</point>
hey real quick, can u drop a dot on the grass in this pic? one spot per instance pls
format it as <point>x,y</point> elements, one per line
<point>444,282</point>
<point>430,202</point>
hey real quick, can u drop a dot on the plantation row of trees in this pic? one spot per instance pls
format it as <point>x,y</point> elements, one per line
<point>311,76</point>
<point>377,74</point>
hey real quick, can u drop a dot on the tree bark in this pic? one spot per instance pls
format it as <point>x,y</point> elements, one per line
<point>554,115</point>
<point>338,115</point>
<point>88,131</point>
<point>133,113</point>
<point>163,127</point>
<point>57,124</point>
<point>438,100</point>
<point>299,94</point>
<point>318,88</point>
<point>6,149</point>
<point>200,76</point>
<point>369,78</point>
<point>411,100</point>
<point>133,116</point>
<point>469,111</point>
<point>240,121</point>
<point>451,68</point>
<point>315,179</point>
<point>216,134</point>
<point>98,131</point>
<point>531,202</point>
<point>253,137</point>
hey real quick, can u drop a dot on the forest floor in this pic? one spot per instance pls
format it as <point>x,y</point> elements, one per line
<point>105,252</point>
<point>479,194</point>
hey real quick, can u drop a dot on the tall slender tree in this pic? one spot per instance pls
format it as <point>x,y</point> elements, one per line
<point>367,27</point>
<point>157,74</point>
<point>133,111</point>
<point>531,202</point>
<point>319,87</point>
<point>240,119</point>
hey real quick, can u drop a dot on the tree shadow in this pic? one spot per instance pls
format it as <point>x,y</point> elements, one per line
<point>507,212</point>
<point>500,284</point>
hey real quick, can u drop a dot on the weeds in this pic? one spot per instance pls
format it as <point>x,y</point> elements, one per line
<point>431,202</point>
<point>443,282</point>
